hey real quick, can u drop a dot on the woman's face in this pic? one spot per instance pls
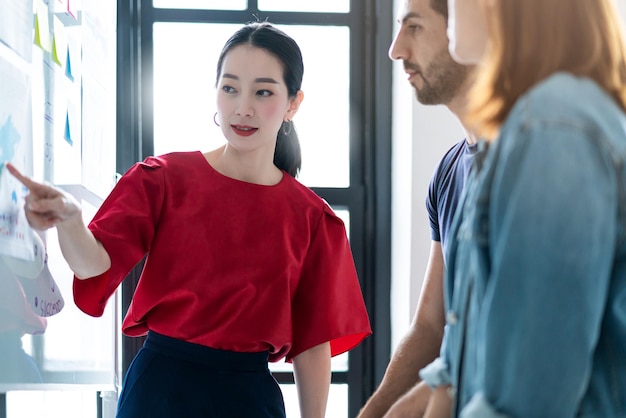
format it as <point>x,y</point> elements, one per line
<point>467,30</point>
<point>252,98</point>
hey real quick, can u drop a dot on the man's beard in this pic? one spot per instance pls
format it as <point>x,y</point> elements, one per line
<point>441,80</point>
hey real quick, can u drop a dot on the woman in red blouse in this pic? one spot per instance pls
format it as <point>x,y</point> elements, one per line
<point>244,264</point>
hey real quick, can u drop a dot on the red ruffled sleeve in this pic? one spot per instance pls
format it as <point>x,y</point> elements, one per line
<point>125,225</point>
<point>328,303</point>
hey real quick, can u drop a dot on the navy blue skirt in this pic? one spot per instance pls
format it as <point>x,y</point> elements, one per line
<point>170,378</point>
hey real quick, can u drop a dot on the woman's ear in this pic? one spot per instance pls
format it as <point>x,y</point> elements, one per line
<point>294,105</point>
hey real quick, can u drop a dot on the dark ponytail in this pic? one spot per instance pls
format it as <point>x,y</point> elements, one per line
<point>287,155</point>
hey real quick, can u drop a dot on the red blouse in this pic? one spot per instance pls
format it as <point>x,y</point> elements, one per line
<point>231,265</point>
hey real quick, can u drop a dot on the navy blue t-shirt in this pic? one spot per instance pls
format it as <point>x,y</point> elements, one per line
<point>446,187</point>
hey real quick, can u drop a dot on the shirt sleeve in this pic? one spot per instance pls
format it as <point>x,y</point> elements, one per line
<point>437,199</point>
<point>125,225</point>
<point>436,373</point>
<point>432,207</point>
<point>328,304</point>
<point>552,231</point>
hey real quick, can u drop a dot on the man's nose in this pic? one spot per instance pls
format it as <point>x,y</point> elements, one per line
<point>397,49</point>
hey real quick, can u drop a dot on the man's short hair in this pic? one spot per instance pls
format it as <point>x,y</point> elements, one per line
<point>440,6</point>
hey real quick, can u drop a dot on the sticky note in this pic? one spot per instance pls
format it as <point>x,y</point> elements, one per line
<point>42,28</point>
<point>59,43</point>
<point>68,131</point>
<point>68,66</point>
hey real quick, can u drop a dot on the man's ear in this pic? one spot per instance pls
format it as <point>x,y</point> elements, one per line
<point>294,105</point>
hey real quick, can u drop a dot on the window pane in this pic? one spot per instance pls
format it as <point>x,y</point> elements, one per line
<point>51,404</point>
<point>185,56</point>
<point>184,85</point>
<point>344,215</point>
<point>202,4</point>
<point>328,6</point>
<point>337,406</point>
<point>323,121</point>
<point>337,364</point>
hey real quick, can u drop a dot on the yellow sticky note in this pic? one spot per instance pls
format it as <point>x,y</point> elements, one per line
<point>42,28</point>
<point>59,43</point>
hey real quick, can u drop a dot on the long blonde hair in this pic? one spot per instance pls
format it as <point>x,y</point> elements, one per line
<point>532,39</point>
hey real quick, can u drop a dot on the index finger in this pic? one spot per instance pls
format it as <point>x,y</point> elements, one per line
<point>30,184</point>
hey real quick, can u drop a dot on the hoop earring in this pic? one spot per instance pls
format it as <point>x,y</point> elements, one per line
<point>287,125</point>
<point>215,120</point>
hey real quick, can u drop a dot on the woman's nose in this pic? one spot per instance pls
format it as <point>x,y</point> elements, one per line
<point>244,108</point>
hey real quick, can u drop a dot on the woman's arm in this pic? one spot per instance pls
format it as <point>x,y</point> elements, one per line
<point>48,207</point>
<point>312,375</point>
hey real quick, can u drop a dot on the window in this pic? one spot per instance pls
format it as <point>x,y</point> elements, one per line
<point>168,52</point>
<point>188,53</point>
<point>319,6</point>
<point>201,4</point>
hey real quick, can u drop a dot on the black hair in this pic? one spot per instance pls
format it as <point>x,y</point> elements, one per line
<point>287,155</point>
<point>440,6</point>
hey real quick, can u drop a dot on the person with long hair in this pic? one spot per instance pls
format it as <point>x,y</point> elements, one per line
<point>244,264</point>
<point>536,281</point>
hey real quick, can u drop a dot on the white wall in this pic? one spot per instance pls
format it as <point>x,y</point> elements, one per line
<point>421,135</point>
<point>622,6</point>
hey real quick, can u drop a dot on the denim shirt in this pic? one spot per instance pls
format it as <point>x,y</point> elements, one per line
<point>536,279</point>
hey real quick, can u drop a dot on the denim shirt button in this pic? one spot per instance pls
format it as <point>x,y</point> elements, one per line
<point>451,318</point>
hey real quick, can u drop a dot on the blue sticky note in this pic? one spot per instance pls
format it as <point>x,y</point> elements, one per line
<point>68,66</point>
<point>68,135</point>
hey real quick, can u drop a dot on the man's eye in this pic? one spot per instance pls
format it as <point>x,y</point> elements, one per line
<point>414,28</point>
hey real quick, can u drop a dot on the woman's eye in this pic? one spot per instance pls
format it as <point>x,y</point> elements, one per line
<point>228,89</point>
<point>264,93</point>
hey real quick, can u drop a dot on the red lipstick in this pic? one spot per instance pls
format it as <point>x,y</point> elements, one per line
<point>244,130</point>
